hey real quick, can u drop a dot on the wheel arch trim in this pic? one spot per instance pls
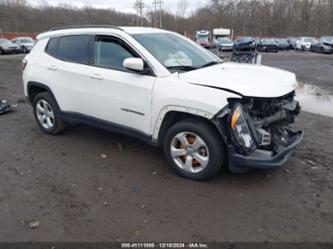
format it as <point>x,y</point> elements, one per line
<point>180,109</point>
<point>31,84</point>
<point>38,85</point>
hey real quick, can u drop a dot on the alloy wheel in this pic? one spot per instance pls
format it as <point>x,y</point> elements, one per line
<point>189,152</point>
<point>45,114</point>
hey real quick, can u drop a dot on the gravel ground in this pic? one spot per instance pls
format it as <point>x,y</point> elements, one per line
<point>92,185</point>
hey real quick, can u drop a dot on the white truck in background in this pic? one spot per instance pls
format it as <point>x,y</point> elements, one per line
<point>202,37</point>
<point>221,33</point>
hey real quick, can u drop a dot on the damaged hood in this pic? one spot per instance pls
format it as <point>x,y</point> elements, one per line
<point>245,79</point>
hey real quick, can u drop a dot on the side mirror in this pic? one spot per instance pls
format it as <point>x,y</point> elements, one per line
<point>134,64</point>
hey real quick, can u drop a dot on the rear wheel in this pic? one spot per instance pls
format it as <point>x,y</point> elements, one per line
<point>194,149</point>
<point>47,114</point>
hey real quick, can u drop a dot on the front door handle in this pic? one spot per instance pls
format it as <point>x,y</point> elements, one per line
<point>52,67</point>
<point>97,77</point>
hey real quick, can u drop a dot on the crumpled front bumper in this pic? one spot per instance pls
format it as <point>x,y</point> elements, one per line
<point>240,163</point>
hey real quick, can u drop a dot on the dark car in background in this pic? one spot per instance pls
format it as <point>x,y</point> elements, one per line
<point>324,45</point>
<point>7,47</point>
<point>292,42</point>
<point>268,45</point>
<point>245,43</point>
<point>282,44</point>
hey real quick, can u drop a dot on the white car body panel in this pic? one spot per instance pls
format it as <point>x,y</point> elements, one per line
<point>68,81</point>
<point>122,97</point>
<point>246,79</point>
<point>173,94</point>
<point>301,43</point>
<point>139,101</point>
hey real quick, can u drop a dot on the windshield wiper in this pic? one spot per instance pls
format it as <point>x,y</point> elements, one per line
<point>210,64</point>
<point>183,68</point>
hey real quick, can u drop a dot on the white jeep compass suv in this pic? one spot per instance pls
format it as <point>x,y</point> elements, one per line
<point>161,87</point>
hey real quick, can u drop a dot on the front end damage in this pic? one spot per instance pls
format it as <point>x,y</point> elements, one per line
<point>257,131</point>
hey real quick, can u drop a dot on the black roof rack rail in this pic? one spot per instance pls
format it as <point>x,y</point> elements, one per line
<point>85,27</point>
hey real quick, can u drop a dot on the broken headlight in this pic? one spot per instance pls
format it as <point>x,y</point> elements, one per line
<point>241,130</point>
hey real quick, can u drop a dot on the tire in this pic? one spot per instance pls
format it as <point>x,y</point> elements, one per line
<point>1,52</point>
<point>207,147</point>
<point>47,114</point>
<point>24,50</point>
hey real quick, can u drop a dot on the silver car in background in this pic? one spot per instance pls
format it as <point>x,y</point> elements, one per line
<point>225,44</point>
<point>24,44</point>
<point>7,47</point>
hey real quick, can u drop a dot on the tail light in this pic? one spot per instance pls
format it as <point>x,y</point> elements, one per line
<point>24,64</point>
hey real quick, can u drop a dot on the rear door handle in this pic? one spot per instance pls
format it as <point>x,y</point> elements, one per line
<point>52,67</point>
<point>97,77</point>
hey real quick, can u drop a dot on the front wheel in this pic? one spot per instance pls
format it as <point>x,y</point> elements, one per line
<point>194,149</point>
<point>24,50</point>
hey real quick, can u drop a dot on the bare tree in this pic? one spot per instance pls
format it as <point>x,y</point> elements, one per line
<point>245,17</point>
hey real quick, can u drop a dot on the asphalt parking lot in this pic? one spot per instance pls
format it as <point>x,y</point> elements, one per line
<point>93,185</point>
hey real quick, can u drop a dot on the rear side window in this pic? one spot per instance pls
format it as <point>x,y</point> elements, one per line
<point>74,48</point>
<point>51,48</point>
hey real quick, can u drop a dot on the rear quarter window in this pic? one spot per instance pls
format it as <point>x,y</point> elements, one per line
<point>51,47</point>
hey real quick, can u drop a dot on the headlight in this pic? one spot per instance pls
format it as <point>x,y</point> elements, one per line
<point>241,130</point>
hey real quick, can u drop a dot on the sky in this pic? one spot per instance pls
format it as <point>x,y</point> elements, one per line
<point>123,5</point>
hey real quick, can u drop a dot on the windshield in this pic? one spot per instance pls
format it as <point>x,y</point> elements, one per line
<point>328,39</point>
<point>270,41</point>
<point>203,37</point>
<point>224,40</point>
<point>26,40</point>
<point>175,52</point>
<point>246,39</point>
<point>5,42</point>
<point>308,39</point>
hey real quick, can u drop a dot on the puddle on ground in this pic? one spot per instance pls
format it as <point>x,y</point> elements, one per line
<point>314,99</point>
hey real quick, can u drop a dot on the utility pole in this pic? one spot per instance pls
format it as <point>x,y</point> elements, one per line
<point>155,18</point>
<point>155,3</point>
<point>139,5</point>
<point>1,33</point>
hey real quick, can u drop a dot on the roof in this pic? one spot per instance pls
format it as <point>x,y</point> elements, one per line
<point>86,29</point>
<point>142,30</point>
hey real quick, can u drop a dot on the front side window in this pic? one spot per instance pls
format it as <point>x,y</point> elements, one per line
<point>111,53</point>
<point>174,52</point>
<point>74,48</point>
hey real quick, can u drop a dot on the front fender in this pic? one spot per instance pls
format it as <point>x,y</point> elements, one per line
<point>174,95</point>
